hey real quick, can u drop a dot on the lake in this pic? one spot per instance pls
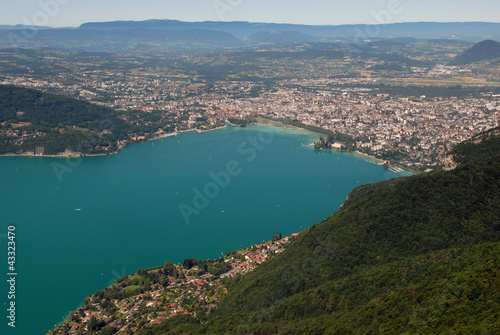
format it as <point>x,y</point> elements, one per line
<point>82,223</point>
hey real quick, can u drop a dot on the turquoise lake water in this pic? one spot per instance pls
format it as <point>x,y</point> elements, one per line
<point>81,224</point>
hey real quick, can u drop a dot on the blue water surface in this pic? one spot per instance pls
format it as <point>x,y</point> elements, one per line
<point>83,223</point>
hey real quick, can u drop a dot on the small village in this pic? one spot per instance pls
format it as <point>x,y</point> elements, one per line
<point>187,292</point>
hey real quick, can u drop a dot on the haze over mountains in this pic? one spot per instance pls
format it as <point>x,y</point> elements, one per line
<point>126,36</point>
<point>472,31</point>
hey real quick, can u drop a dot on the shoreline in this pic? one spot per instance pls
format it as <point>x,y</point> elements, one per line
<point>376,160</point>
<point>278,124</point>
<point>368,158</point>
<point>213,129</point>
<point>380,162</point>
<point>72,154</point>
<point>260,121</point>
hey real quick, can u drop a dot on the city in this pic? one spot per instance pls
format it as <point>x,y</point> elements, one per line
<point>411,130</point>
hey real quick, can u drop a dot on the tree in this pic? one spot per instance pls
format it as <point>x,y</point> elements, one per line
<point>169,268</point>
<point>277,237</point>
<point>108,331</point>
<point>189,263</point>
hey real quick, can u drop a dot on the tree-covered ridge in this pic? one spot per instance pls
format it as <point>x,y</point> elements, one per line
<point>447,292</point>
<point>31,119</point>
<point>419,255</point>
<point>469,152</point>
<point>363,191</point>
<point>33,122</point>
<point>28,105</point>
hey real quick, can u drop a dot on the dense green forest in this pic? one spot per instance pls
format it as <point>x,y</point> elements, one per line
<point>419,255</point>
<point>31,119</point>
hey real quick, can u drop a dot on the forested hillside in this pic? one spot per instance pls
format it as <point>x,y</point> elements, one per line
<point>33,122</point>
<point>420,255</point>
<point>31,119</point>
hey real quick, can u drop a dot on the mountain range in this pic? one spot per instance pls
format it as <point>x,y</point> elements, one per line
<point>179,36</point>
<point>470,31</point>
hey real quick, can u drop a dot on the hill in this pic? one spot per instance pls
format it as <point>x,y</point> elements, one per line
<point>31,119</point>
<point>33,122</point>
<point>413,255</point>
<point>485,50</point>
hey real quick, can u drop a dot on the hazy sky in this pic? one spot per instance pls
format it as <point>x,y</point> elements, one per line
<point>58,13</point>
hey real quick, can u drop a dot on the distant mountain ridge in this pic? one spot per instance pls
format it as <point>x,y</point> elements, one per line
<point>178,37</point>
<point>22,26</point>
<point>470,31</point>
<point>122,40</point>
